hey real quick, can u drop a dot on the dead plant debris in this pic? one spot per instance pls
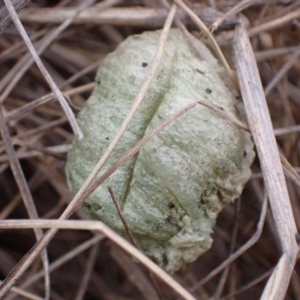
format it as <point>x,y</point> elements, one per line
<point>70,39</point>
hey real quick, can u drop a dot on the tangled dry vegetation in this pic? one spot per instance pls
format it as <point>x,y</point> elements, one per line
<point>255,249</point>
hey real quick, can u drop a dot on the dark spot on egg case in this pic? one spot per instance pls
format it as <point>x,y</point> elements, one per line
<point>86,204</point>
<point>168,220</point>
<point>208,91</point>
<point>171,205</point>
<point>144,64</point>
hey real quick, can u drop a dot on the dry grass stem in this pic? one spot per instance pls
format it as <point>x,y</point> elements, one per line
<point>101,227</point>
<point>261,128</point>
<point>278,22</point>
<point>133,16</point>
<point>122,217</point>
<point>235,10</point>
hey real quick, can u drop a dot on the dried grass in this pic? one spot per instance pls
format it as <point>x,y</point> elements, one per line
<point>254,250</point>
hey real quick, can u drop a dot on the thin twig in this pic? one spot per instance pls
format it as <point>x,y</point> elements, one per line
<point>286,130</point>
<point>233,11</point>
<point>122,217</point>
<point>273,24</point>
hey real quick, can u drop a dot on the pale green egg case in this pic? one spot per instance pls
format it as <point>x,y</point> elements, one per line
<point>172,191</point>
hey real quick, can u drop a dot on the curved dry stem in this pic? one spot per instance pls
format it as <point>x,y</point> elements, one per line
<point>101,227</point>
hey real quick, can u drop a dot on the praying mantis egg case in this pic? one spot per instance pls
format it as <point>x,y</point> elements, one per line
<point>171,191</point>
